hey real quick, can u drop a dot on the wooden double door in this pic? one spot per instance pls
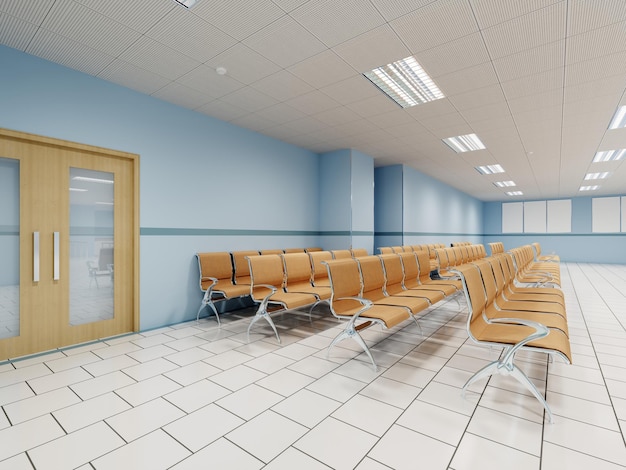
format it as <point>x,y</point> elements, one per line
<point>68,243</point>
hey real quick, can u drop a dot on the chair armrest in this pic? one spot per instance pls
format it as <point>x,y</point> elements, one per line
<point>367,304</point>
<point>541,331</point>
<point>272,289</point>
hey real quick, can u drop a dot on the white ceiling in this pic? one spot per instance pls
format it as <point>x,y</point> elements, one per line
<point>537,80</point>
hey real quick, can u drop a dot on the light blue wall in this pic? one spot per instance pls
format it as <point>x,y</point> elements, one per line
<point>206,185</point>
<point>362,200</point>
<point>431,211</point>
<point>334,201</point>
<point>580,245</point>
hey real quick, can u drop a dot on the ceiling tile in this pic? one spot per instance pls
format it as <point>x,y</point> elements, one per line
<point>285,42</point>
<point>16,33</point>
<point>453,56</point>
<point>461,81</point>
<point>133,77</point>
<point>158,58</point>
<point>532,84</point>
<point>207,81</point>
<point>335,21</point>
<point>478,97</point>
<point>586,16</point>
<point>392,9</point>
<point>88,27</point>
<point>372,106</point>
<point>527,32</point>
<point>282,85</point>
<point>139,15</point>
<point>313,102</point>
<point>596,43</point>
<point>64,51</point>
<point>32,12</point>
<point>493,12</point>
<point>182,96</point>
<point>322,69</point>
<point>243,64</point>
<point>250,99</point>
<point>190,35</point>
<point>372,49</point>
<point>337,115</point>
<point>222,110</point>
<point>531,61</point>
<point>351,89</point>
<point>435,24</point>
<point>241,18</point>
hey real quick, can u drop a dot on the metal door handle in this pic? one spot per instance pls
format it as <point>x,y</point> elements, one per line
<point>56,270</point>
<point>35,256</point>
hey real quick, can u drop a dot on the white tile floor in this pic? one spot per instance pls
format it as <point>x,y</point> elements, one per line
<point>195,396</point>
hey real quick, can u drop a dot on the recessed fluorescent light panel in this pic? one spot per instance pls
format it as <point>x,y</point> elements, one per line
<point>514,193</point>
<point>589,188</point>
<point>619,119</point>
<point>609,155</point>
<point>489,169</point>
<point>598,176</point>
<point>504,184</point>
<point>405,82</point>
<point>464,143</point>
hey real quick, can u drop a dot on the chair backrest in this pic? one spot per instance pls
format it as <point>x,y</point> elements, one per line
<point>215,264</point>
<point>241,267</point>
<point>320,272</point>
<point>460,255</point>
<point>274,251</point>
<point>410,267</point>
<point>394,274</point>
<point>312,249</point>
<point>489,283</point>
<point>341,254</point>
<point>345,281</point>
<point>397,249</point>
<point>442,258</point>
<point>423,266</point>
<point>356,252</point>
<point>474,292</point>
<point>373,277</point>
<point>385,250</point>
<point>498,275</point>
<point>267,269</point>
<point>297,268</point>
<point>294,250</point>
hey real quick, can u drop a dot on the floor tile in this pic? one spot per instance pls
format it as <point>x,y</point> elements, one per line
<point>237,377</point>
<point>196,395</point>
<point>39,405</point>
<point>149,369</point>
<point>147,390</point>
<point>321,444</point>
<point>587,439</point>
<point>155,451</point>
<point>91,411</point>
<point>28,435</point>
<point>249,401</point>
<point>557,458</point>
<point>307,408</point>
<point>16,392</point>
<point>296,351</point>
<point>203,426</point>
<point>285,382</point>
<point>337,387</point>
<point>266,435</point>
<point>151,353</point>
<point>107,366</point>
<point>70,362</point>
<point>401,448</point>
<point>450,398</point>
<point>102,384</point>
<point>228,359</point>
<point>473,449</point>
<point>409,375</point>
<point>117,350</point>
<point>189,356</point>
<point>589,412</point>
<point>144,419</point>
<point>19,462</point>
<point>436,422</point>
<point>58,380</point>
<point>391,392</point>
<point>370,415</point>
<point>76,448</point>
<point>292,458</point>
<point>16,376</point>
<point>191,373</point>
<point>516,404</point>
<point>508,430</point>
<point>270,363</point>
<point>221,454</point>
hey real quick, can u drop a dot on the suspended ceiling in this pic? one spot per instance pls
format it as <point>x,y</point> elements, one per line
<point>537,80</point>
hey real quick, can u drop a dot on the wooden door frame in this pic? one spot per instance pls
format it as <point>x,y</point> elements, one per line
<point>18,136</point>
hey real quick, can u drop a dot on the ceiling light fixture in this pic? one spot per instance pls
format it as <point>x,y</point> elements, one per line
<point>405,82</point>
<point>589,188</point>
<point>489,169</point>
<point>619,118</point>
<point>514,193</point>
<point>609,155</point>
<point>464,143</point>
<point>504,184</point>
<point>597,176</point>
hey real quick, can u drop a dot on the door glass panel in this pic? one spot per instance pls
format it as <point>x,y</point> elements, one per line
<point>91,246</point>
<point>9,248</point>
